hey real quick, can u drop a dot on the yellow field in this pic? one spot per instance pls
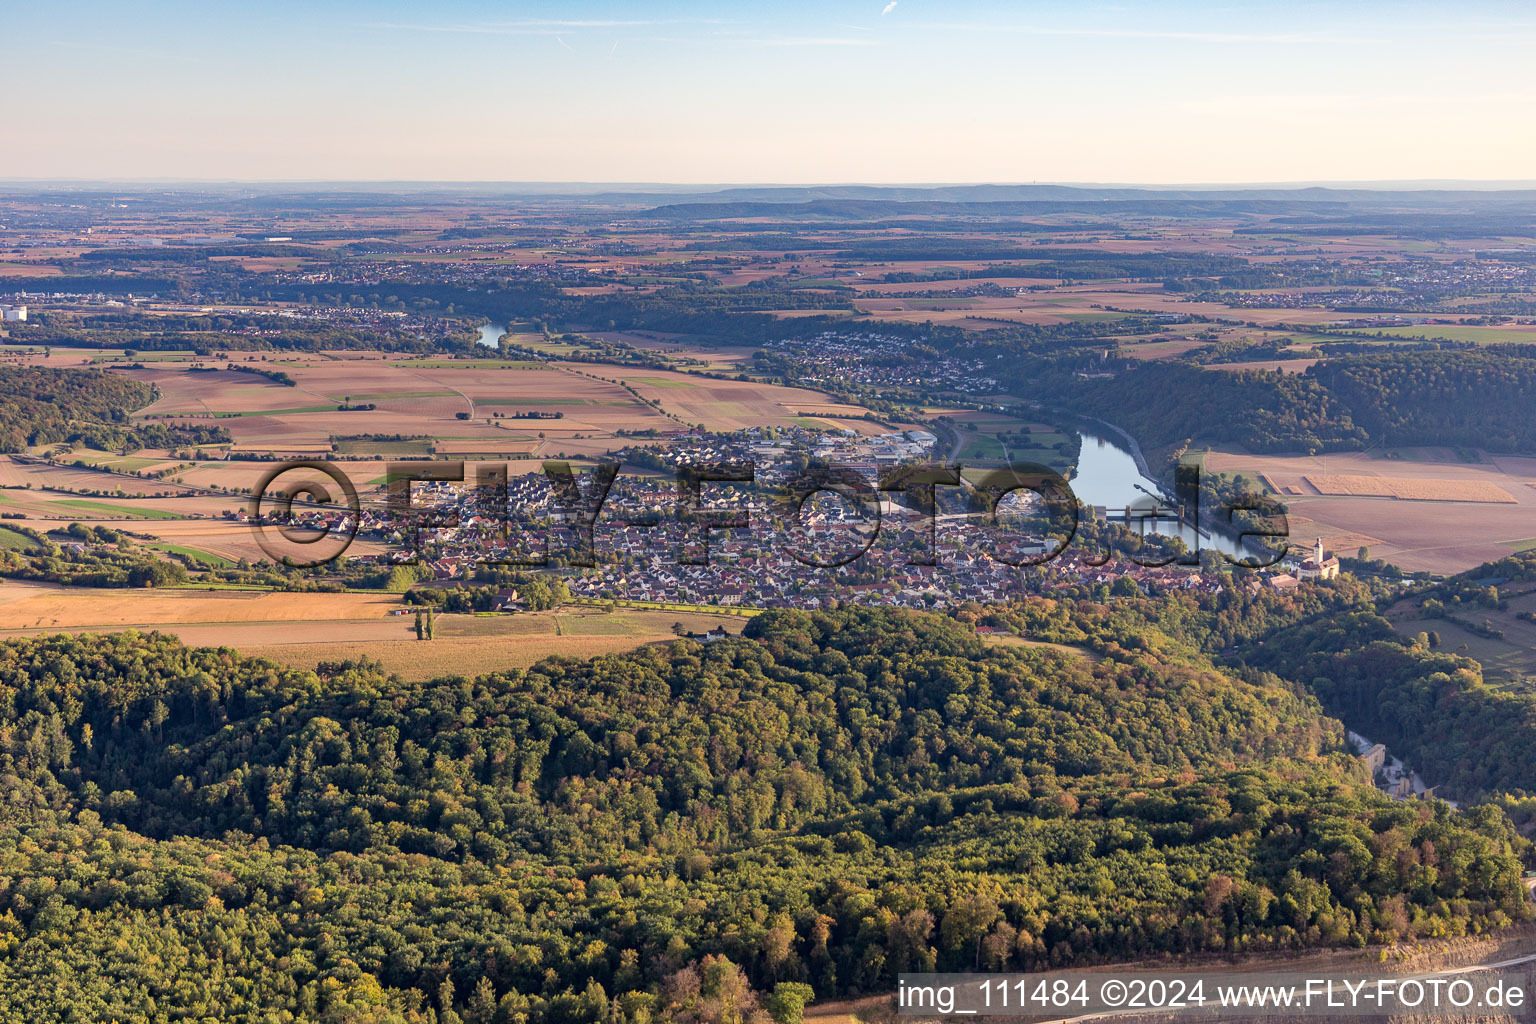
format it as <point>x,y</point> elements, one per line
<point>1422,508</point>
<point>36,605</point>
<point>1411,490</point>
<point>463,656</point>
<point>302,630</point>
<point>470,645</point>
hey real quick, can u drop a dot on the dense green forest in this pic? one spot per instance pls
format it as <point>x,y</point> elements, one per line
<point>687,832</point>
<point>1165,402</point>
<point>1430,706</point>
<point>39,405</point>
<point>207,335</point>
<point>1476,399</point>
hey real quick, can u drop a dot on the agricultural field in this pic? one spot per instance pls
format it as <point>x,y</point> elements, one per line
<point>1406,489</point>
<point>24,474</point>
<point>725,405</point>
<point>1268,365</point>
<point>33,606</point>
<point>716,359</point>
<point>471,645</point>
<point>1512,334</point>
<point>1509,660</point>
<point>210,538</point>
<point>997,438</point>
<point>304,629</point>
<point>1437,513</point>
<point>470,406</point>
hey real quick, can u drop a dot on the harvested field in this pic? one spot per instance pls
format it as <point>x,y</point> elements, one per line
<point>67,506</point>
<point>465,656</point>
<point>239,474</point>
<point>1447,530</point>
<point>1288,487</point>
<point>471,406</point>
<point>452,398</point>
<point>514,447</point>
<point>23,474</point>
<point>304,629</point>
<point>1411,490</point>
<point>45,606</point>
<point>472,645</point>
<point>735,404</point>
<point>222,537</point>
<point>286,450</point>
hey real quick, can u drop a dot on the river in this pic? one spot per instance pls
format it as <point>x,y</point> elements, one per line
<point>490,335</point>
<point>1107,476</point>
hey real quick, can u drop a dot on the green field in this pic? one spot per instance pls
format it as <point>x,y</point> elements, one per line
<point>108,511</point>
<point>672,606</point>
<point>10,540</point>
<point>1042,449</point>
<point>165,356</point>
<point>1303,338</point>
<point>1475,335</point>
<point>537,343</point>
<point>937,305</point>
<point>981,446</point>
<point>207,558</point>
<point>118,463</point>
<point>1510,661</point>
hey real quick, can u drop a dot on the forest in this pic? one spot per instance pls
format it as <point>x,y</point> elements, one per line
<point>1429,705</point>
<point>687,832</point>
<point>39,405</point>
<point>212,335</point>
<point>1476,398</point>
<point>1164,403</point>
<point>1479,399</point>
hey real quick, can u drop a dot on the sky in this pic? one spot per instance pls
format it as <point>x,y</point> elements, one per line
<point>873,91</point>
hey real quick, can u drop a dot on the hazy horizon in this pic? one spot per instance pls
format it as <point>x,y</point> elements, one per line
<point>872,91</point>
<point>1383,184</point>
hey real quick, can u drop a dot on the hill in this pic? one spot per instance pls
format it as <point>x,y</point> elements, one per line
<point>828,800</point>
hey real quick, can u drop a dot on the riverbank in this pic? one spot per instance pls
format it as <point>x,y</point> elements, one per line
<point>1132,445</point>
